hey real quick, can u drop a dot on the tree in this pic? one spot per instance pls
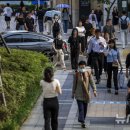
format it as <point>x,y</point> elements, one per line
<point>109,4</point>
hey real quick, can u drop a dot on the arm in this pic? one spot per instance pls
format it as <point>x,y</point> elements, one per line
<point>119,59</point>
<point>92,83</point>
<point>53,45</point>
<point>96,19</point>
<point>58,88</point>
<point>89,47</point>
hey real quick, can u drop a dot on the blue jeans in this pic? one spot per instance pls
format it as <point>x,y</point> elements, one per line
<point>82,106</point>
<point>100,25</point>
<point>40,23</point>
<point>65,25</point>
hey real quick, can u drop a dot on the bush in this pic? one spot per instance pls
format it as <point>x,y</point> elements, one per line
<point>21,73</point>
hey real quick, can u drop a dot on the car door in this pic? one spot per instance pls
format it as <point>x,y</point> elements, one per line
<point>13,40</point>
<point>35,42</point>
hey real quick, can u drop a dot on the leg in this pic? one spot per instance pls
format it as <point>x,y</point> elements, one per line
<point>72,60</point>
<point>62,62</point>
<point>126,40</point>
<point>54,114</point>
<point>81,111</point>
<point>115,73</point>
<point>64,25</point>
<point>123,39</point>
<point>101,62</point>
<point>85,109</point>
<point>76,60</point>
<point>109,72</point>
<point>47,115</point>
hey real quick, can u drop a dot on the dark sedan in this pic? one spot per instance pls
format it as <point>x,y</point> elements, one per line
<point>30,41</point>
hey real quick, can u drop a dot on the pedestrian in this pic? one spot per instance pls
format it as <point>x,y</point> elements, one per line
<point>56,28</point>
<point>20,22</point>
<point>81,90</point>
<point>8,13</point>
<point>99,15</point>
<point>93,19</point>
<point>88,26</point>
<point>113,61</point>
<point>128,66</point>
<point>75,48</point>
<point>29,23</point>
<point>1,10</point>
<point>65,19</point>
<point>81,33</point>
<point>115,18</point>
<point>58,45</point>
<point>97,46</point>
<point>124,22</point>
<point>109,29</point>
<point>33,15</point>
<point>48,22</point>
<point>40,16</point>
<point>51,88</point>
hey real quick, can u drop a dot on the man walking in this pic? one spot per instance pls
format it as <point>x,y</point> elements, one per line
<point>124,22</point>
<point>8,13</point>
<point>96,46</point>
<point>109,29</point>
<point>40,16</point>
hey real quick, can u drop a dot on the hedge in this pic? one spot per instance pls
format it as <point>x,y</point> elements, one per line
<point>21,73</point>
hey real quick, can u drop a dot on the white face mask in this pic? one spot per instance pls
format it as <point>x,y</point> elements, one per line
<point>82,70</point>
<point>59,37</point>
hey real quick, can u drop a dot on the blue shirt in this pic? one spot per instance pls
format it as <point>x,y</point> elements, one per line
<point>97,45</point>
<point>113,55</point>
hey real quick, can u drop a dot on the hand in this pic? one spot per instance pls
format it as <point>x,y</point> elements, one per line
<point>95,93</point>
<point>73,95</point>
<point>127,75</point>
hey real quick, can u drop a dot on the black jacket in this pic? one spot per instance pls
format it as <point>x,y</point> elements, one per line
<point>128,61</point>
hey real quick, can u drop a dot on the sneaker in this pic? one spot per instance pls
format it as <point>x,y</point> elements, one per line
<point>109,90</point>
<point>83,125</point>
<point>116,92</point>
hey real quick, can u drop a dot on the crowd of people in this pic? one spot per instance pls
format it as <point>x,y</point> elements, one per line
<point>89,39</point>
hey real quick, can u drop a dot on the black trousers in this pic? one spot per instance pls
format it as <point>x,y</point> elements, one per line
<point>74,60</point>
<point>83,44</point>
<point>51,109</point>
<point>111,69</point>
<point>97,63</point>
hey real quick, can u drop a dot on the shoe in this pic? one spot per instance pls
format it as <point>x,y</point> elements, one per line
<point>116,92</point>
<point>97,82</point>
<point>83,125</point>
<point>109,90</point>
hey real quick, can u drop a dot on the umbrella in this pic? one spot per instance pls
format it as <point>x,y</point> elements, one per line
<point>63,6</point>
<point>52,13</point>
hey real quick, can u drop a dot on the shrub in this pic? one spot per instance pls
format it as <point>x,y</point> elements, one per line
<point>21,73</point>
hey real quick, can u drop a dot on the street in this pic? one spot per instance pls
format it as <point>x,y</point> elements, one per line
<point>102,110</point>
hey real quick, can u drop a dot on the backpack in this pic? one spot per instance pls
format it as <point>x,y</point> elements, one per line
<point>56,27</point>
<point>124,24</point>
<point>93,17</point>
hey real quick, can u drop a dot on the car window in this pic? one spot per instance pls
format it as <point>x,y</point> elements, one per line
<point>33,38</point>
<point>14,38</point>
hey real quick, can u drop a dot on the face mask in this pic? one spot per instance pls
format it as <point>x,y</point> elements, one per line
<point>82,70</point>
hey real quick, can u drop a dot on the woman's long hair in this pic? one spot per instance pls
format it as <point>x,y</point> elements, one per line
<point>48,74</point>
<point>75,29</point>
<point>113,41</point>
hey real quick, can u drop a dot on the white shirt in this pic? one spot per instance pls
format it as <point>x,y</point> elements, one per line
<point>8,11</point>
<point>81,31</point>
<point>49,89</point>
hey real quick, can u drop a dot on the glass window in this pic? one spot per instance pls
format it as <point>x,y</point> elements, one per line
<point>14,39</point>
<point>33,38</point>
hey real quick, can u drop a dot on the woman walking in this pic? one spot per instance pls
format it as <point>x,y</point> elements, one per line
<point>113,59</point>
<point>75,48</point>
<point>20,22</point>
<point>65,19</point>
<point>82,78</point>
<point>51,88</point>
<point>81,33</point>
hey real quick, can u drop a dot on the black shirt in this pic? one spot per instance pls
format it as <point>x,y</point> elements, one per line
<point>21,21</point>
<point>40,14</point>
<point>99,15</point>
<point>128,61</point>
<point>58,43</point>
<point>88,27</point>
<point>74,44</point>
<point>30,23</point>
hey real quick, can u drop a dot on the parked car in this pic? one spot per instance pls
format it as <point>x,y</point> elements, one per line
<point>31,41</point>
